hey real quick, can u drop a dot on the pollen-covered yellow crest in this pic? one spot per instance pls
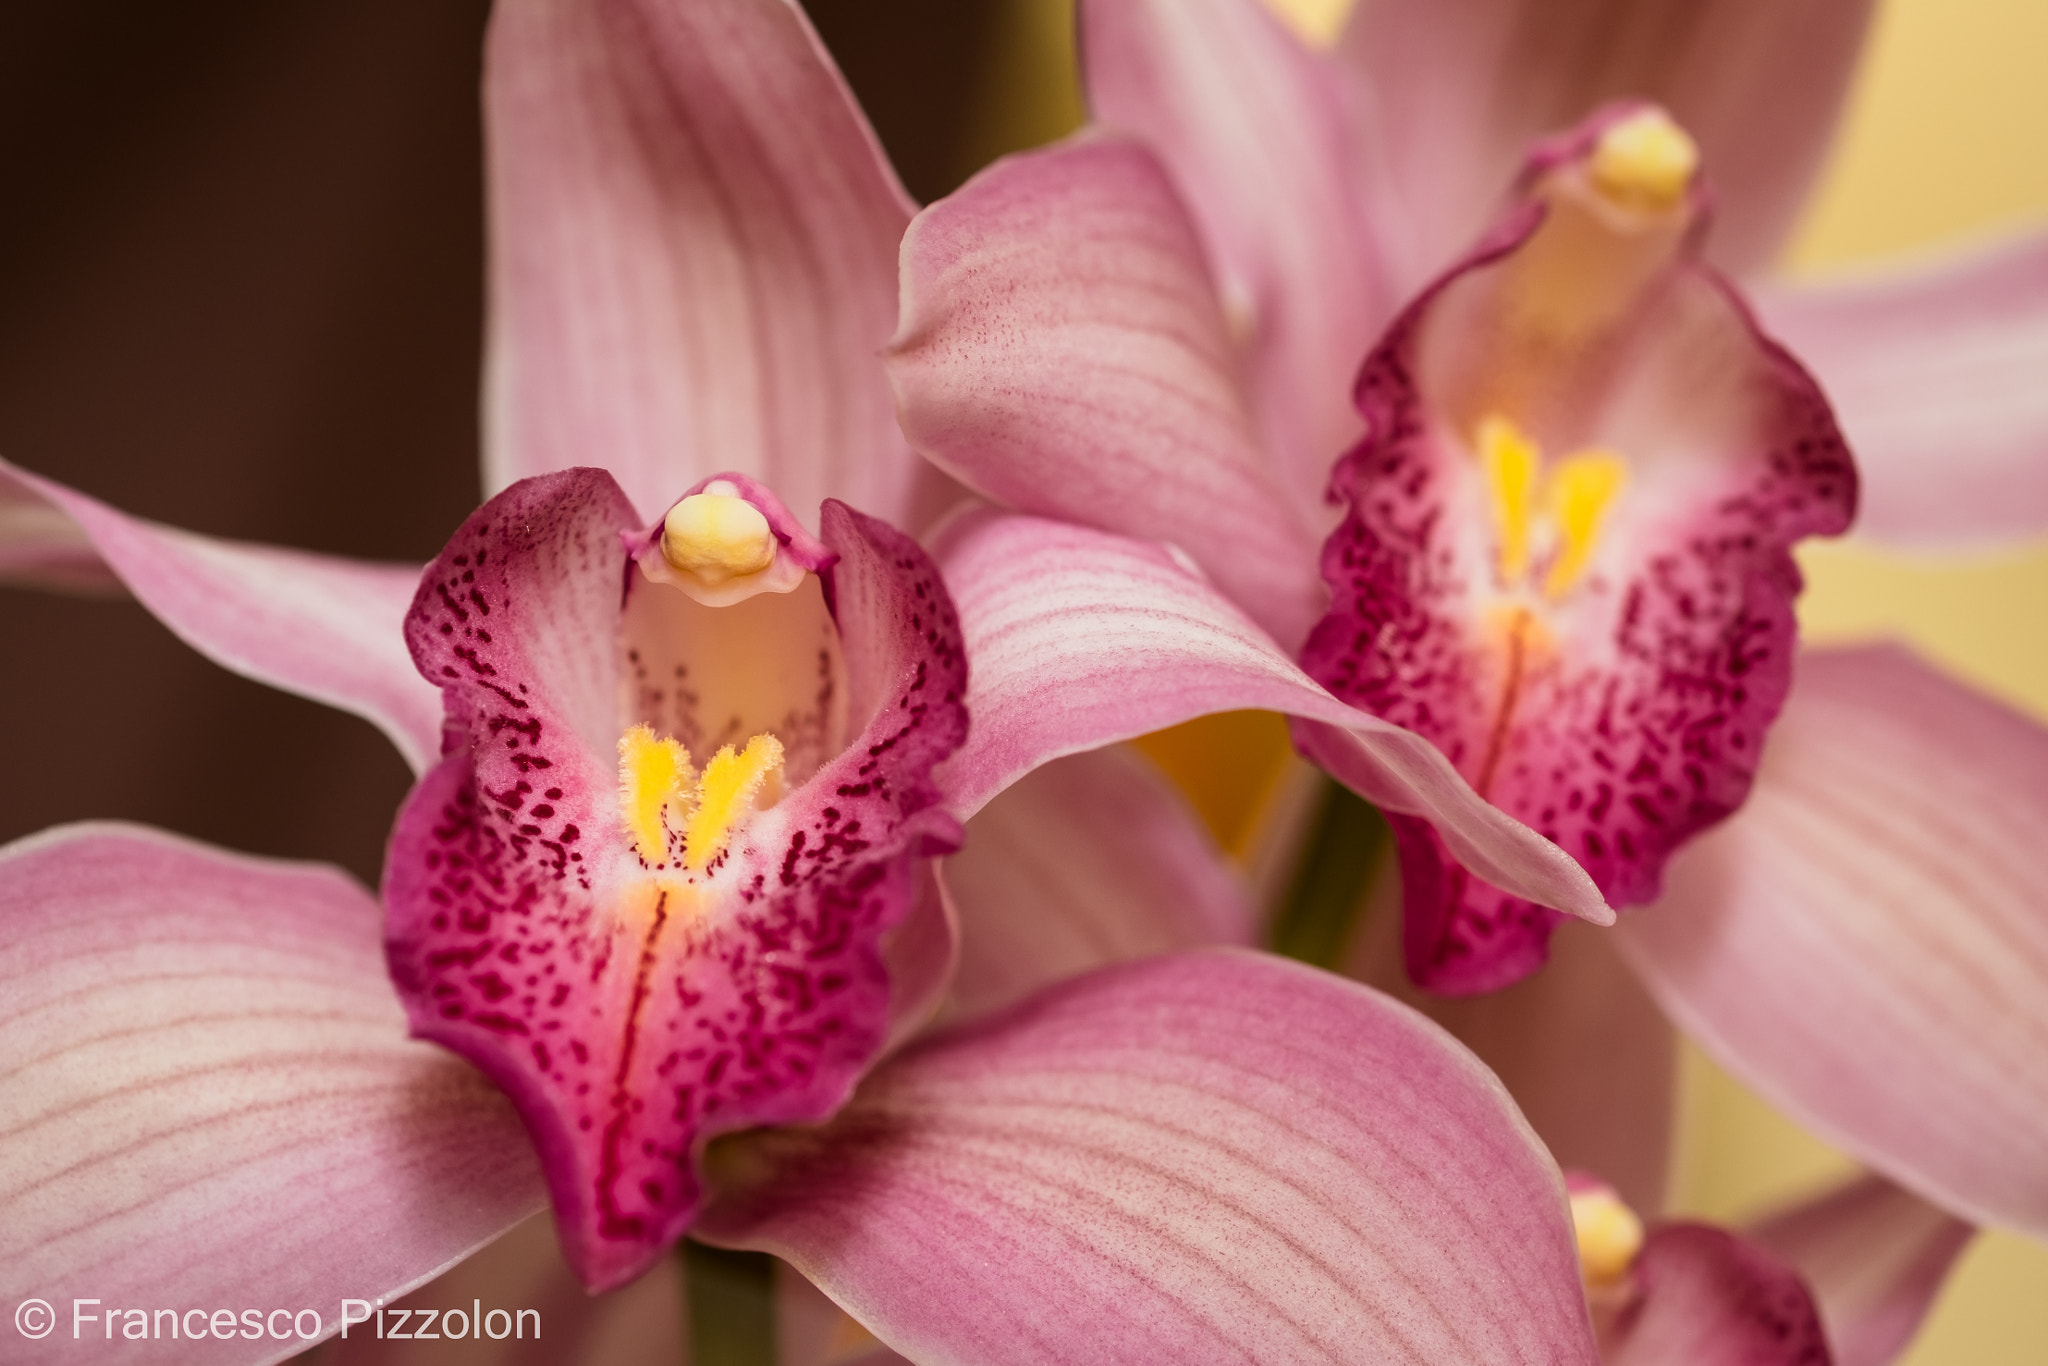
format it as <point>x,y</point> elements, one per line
<point>660,793</point>
<point>1575,495</point>
<point>727,789</point>
<point>655,780</point>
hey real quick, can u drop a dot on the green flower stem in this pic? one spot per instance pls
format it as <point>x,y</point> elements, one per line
<point>1320,912</point>
<point>730,1298</point>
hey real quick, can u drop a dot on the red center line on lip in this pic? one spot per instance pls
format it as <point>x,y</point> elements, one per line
<point>615,1131</point>
<point>1503,717</point>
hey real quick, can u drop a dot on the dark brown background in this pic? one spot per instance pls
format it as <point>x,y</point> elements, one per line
<point>241,255</point>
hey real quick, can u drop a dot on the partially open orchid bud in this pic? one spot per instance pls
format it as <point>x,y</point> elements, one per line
<point>717,535</point>
<point>1644,160</point>
<point>1609,1232</point>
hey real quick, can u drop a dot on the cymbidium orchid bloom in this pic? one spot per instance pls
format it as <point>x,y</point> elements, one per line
<point>1565,555</point>
<point>1182,301</point>
<point>661,876</point>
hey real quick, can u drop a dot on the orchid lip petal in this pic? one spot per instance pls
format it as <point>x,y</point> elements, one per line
<point>1611,682</point>
<point>1875,1256</point>
<point>634,997</point>
<point>1708,1297</point>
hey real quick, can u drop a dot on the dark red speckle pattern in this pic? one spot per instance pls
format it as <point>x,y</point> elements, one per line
<point>631,1018</point>
<point>1618,755</point>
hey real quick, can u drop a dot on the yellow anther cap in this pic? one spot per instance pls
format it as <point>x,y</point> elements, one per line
<point>1610,1236</point>
<point>1645,161</point>
<point>717,536</point>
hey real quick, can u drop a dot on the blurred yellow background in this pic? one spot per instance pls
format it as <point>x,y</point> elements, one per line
<point>1946,136</point>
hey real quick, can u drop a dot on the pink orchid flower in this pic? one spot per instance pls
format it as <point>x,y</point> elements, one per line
<point>1180,319</point>
<point>693,264</point>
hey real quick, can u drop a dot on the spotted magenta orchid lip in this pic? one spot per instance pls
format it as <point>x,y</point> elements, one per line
<point>1598,636</point>
<point>642,953</point>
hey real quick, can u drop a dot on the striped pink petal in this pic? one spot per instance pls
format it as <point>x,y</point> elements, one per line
<point>1874,1256</point>
<point>1079,637</point>
<point>1257,132</point>
<point>1090,860</point>
<point>1867,943</point>
<point>693,250</point>
<point>320,626</point>
<point>1211,1157</point>
<point>1936,376</point>
<point>1461,87</point>
<point>1063,352</point>
<point>209,1100</point>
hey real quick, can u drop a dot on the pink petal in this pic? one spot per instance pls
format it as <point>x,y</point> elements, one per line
<point>693,254</point>
<point>1936,374</point>
<point>1090,860</point>
<point>1461,87</point>
<point>1875,1257</point>
<point>1206,1157</point>
<point>1062,352</point>
<point>1580,1046</point>
<point>1079,638</point>
<point>211,1102</point>
<point>43,545</point>
<point>320,626</point>
<point>1867,944</point>
<point>1255,130</point>
<point>1712,1298</point>
<point>631,1009</point>
<point>1624,716</point>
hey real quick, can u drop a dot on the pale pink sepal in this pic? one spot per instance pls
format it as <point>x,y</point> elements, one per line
<point>1866,943</point>
<point>1580,1046</point>
<point>1063,353</point>
<point>693,254</point>
<point>1257,133</point>
<point>1461,87</point>
<point>316,625</point>
<point>42,545</point>
<point>1212,1157</point>
<point>1080,637</point>
<point>1090,860</point>
<point>1874,1257</point>
<point>1937,377</point>
<point>210,1100</point>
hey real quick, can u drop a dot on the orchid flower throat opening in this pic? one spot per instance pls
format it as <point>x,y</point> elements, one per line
<point>1614,219</point>
<point>719,631</point>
